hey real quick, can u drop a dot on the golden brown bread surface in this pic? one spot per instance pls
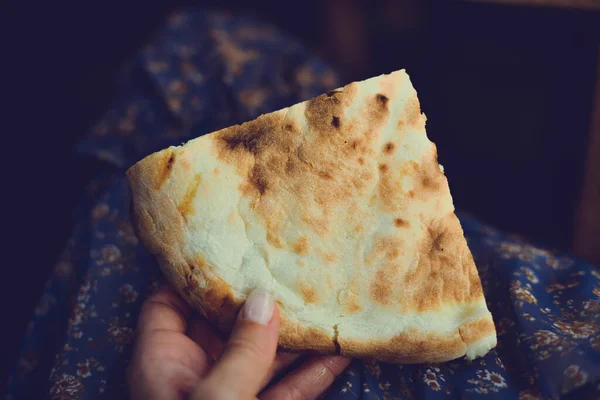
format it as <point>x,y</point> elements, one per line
<point>336,205</point>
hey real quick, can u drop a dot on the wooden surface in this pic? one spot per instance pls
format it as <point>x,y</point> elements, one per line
<point>587,228</point>
<point>576,4</point>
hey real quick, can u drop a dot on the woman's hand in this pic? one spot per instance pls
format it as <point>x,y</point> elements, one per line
<point>177,355</point>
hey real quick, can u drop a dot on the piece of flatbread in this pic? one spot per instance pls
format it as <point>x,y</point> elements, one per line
<point>338,206</point>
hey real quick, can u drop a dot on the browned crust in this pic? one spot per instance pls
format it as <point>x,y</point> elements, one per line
<point>160,232</point>
<point>414,347</point>
<point>294,337</point>
<point>473,331</point>
<point>159,225</point>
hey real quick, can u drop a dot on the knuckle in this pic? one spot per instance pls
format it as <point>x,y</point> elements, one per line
<point>328,368</point>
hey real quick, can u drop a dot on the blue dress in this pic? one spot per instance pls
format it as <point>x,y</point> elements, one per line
<point>206,71</point>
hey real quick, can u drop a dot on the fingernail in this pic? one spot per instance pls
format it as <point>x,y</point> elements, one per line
<point>258,307</point>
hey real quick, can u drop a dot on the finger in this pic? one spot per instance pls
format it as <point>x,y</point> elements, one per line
<point>249,352</point>
<point>310,380</point>
<point>202,333</point>
<point>173,381</point>
<point>164,310</point>
<point>282,362</point>
<point>213,345</point>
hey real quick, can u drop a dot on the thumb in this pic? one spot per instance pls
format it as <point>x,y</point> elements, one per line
<point>249,353</point>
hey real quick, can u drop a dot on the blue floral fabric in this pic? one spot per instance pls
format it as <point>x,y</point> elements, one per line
<point>206,71</point>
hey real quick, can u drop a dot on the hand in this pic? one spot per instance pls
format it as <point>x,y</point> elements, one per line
<point>178,355</point>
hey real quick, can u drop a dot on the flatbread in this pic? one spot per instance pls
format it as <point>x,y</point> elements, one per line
<point>339,207</point>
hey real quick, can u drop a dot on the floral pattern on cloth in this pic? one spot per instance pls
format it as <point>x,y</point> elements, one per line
<point>206,71</point>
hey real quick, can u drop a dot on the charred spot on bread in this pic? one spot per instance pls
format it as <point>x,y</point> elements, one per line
<point>335,121</point>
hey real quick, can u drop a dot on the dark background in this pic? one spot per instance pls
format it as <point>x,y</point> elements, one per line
<point>507,91</point>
